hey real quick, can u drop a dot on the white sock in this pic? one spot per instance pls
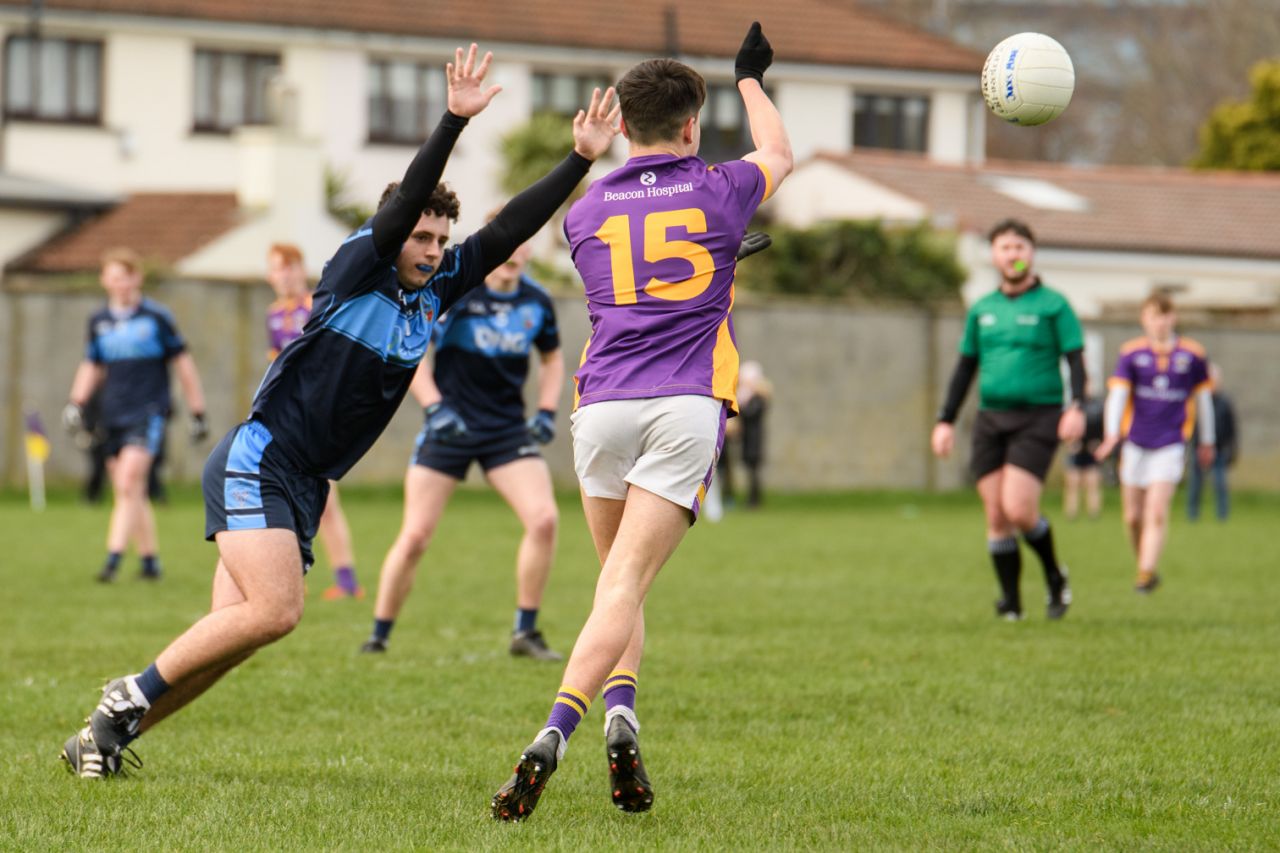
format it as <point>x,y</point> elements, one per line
<point>625,713</point>
<point>561,745</point>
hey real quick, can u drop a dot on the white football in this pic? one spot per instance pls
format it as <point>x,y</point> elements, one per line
<point>1028,79</point>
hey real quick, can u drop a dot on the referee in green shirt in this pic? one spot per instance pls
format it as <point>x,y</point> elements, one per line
<point>1015,337</point>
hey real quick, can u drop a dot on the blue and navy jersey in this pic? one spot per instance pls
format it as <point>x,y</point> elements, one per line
<point>482,352</point>
<point>332,392</point>
<point>135,347</point>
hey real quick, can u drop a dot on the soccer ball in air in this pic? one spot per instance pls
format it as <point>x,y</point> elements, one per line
<point>1028,79</point>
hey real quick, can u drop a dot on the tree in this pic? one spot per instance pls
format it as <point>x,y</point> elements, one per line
<point>533,149</point>
<point>857,258</point>
<point>1245,135</point>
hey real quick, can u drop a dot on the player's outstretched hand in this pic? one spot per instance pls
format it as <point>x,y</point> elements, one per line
<point>595,127</point>
<point>467,94</point>
<point>943,439</point>
<point>1105,449</point>
<point>754,57</point>
<point>756,241</point>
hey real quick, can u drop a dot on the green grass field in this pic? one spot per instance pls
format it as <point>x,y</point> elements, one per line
<point>825,674</point>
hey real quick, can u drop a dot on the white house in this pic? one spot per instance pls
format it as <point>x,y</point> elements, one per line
<point>125,97</point>
<point>1108,236</point>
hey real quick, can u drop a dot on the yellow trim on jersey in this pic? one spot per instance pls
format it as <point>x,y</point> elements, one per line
<point>1118,382</point>
<point>1189,425</point>
<point>768,182</point>
<point>1193,346</point>
<point>576,394</point>
<point>724,363</point>
<point>1133,345</point>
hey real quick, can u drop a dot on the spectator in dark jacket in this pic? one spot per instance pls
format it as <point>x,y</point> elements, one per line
<point>1226,450</point>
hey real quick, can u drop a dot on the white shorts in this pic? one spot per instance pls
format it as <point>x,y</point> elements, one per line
<point>1141,466</point>
<point>665,445</point>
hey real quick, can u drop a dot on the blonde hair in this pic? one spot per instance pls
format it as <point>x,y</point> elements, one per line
<point>125,257</point>
<point>289,252</point>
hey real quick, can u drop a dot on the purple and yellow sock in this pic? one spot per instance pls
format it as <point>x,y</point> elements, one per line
<point>620,690</point>
<point>569,709</point>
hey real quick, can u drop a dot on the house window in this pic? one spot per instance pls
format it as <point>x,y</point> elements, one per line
<point>725,134</point>
<point>565,94</point>
<point>231,89</point>
<point>53,79</point>
<point>406,99</point>
<point>891,121</point>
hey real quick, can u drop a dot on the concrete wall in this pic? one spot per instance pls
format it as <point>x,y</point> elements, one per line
<point>856,387</point>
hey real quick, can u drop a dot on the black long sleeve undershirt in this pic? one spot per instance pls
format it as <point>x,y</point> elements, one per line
<point>967,367</point>
<point>958,387</point>
<point>395,221</point>
<point>521,218</point>
<point>1075,366</point>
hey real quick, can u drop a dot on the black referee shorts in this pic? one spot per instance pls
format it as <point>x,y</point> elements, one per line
<point>1027,438</point>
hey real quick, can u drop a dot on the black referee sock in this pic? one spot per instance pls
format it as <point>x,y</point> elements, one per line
<point>1040,538</point>
<point>1007,559</point>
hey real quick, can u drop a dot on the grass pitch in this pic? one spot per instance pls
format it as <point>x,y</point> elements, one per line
<point>823,674</point>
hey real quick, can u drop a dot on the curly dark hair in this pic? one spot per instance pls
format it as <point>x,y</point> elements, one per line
<point>1011,226</point>
<point>443,202</point>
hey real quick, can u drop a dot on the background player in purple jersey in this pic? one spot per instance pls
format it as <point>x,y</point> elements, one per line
<point>1160,383</point>
<point>655,243</point>
<point>286,318</point>
<point>473,400</point>
<point>132,342</point>
<point>323,403</point>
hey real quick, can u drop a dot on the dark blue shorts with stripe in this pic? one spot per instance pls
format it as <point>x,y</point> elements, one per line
<point>249,484</point>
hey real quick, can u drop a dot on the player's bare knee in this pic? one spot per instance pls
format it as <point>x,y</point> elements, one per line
<point>280,619</point>
<point>415,543</point>
<point>543,524</point>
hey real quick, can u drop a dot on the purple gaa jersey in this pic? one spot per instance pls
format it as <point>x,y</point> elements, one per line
<point>285,320</point>
<point>1162,390</point>
<point>655,242</point>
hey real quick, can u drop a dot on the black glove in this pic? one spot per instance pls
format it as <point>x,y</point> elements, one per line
<point>542,426</point>
<point>754,57</point>
<point>73,418</point>
<point>443,424</point>
<point>198,428</point>
<point>756,241</point>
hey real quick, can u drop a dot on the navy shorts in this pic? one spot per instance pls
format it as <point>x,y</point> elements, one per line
<point>146,432</point>
<point>249,484</point>
<point>490,450</point>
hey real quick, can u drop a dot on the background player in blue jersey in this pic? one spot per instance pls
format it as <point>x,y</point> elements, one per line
<point>322,404</point>
<point>474,411</point>
<point>132,342</point>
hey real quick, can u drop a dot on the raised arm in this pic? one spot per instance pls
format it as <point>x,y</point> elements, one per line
<point>768,134</point>
<point>593,131</point>
<point>393,224</point>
